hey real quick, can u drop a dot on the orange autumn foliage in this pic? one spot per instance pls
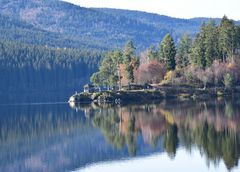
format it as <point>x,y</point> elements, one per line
<point>150,72</point>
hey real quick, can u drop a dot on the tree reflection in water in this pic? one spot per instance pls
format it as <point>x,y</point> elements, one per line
<point>212,127</point>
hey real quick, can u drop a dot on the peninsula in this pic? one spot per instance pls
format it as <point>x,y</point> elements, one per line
<point>204,66</point>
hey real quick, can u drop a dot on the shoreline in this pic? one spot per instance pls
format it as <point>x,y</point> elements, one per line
<point>161,93</point>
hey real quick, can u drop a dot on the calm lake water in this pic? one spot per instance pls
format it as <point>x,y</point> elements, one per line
<point>163,136</point>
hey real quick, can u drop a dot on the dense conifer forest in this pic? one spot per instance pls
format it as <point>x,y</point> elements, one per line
<point>30,67</point>
<point>211,58</point>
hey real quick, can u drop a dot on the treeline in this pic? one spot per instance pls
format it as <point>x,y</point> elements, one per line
<point>27,67</point>
<point>212,58</point>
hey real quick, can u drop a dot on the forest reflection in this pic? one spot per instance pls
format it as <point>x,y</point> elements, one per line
<point>212,127</point>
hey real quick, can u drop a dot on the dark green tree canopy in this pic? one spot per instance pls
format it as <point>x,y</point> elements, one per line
<point>216,48</point>
<point>130,60</point>
<point>183,51</point>
<point>227,38</point>
<point>108,74</point>
<point>168,52</point>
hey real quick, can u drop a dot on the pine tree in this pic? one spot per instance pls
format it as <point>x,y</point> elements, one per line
<point>117,60</point>
<point>160,55</point>
<point>237,31</point>
<point>227,38</point>
<point>183,51</point>
<point>108,71</point>
<point>210,42</point>
<point>205,48</point>
<point>198,51</point>
<point>130,60</point>
<point>168,51</point>
<point>151,53</point>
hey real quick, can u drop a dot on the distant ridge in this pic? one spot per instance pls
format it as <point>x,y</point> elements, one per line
<point>61,24</point>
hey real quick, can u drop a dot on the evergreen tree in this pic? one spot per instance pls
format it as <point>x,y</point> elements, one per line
<point>183,51</point>
<point>198,51</point>
<point>151,53</point>
<point>168,52</point>
<point>205,48</point>
<point>210,42</point>
<point>108,71</point>
<point>237,30</point>
<point>160,54</point>
<point>227,38</point>
<point>117,60</point>
<point>96,78</point>
<point>130,60</point>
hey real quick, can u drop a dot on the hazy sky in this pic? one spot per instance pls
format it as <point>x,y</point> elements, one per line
<point>174,8</point>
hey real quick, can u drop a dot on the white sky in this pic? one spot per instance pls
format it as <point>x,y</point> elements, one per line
<point>174,8</point>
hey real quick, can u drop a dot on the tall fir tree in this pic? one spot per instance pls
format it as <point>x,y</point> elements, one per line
<point>183,51</point>
<point>198,51</point>
<point>130,60</point>
<point>160,55</point>
<point>109,70</point>
<point>151,53</point>
<point>118,60</point>
<point>205,47</point>
<point>210,42</point>
<point>227,38</point>
<point>237,30</point>
<point>168,52</point>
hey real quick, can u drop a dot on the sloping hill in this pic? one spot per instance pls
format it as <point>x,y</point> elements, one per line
<point>68,25</point>
<point>175,25</point>
<point>61,24</point>
<point>20,31</point>
<point>88,25</point>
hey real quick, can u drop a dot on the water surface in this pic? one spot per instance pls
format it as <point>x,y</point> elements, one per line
<point>167,136</point>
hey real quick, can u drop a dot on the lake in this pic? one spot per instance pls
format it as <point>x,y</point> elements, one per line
<point>43,133</point>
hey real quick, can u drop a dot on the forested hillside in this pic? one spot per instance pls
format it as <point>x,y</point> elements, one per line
<point>88,26</point>
<point>61,24</point>
<point>35,68</point>
<point>175,26</point>
<point>12,29</point>
<point>51,44</point>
